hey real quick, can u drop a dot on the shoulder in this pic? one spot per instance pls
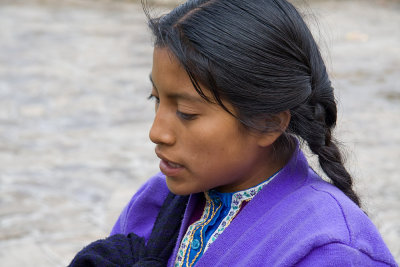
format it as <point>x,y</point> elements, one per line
<point>336,211</point>
<point>152,193</point>
<point>313,215</point>
<point>140,213</point>
<point>337,254</point>
<point>305,213</point>
<point>154,188</point>
<point>340,227</point>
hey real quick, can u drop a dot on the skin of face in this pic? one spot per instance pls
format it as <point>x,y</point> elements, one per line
<point>200,145</point>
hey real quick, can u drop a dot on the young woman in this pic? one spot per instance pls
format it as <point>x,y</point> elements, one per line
<point>237,86</point>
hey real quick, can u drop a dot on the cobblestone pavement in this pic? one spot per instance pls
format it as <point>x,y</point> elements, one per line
<point>74,117</point>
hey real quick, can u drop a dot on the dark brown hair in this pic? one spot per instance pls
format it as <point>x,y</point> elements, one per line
<point>260,56</point>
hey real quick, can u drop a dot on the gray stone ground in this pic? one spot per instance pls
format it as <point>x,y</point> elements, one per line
<point>74,117</point>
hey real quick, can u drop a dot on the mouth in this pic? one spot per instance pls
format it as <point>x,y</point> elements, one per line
<point>168,167</point>
<point>172,164</point>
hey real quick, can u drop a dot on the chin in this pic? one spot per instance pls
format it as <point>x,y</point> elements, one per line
<point>180,190</point>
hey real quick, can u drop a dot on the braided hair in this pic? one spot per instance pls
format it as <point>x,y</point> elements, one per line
<point>260,56</point>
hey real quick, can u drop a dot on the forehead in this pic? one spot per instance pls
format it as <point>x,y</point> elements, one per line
<point>165,61</point>
<point>169,76</point>
<point>167,68</point>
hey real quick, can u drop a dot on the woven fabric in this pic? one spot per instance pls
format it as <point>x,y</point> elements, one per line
<point>132,250</point>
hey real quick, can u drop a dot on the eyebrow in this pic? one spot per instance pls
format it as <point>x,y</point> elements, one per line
<point>177,96</point>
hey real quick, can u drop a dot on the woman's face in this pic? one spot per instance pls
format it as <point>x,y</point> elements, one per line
<point>201,146</point>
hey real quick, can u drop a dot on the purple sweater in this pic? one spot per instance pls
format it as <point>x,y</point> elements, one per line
<point>297,219</point>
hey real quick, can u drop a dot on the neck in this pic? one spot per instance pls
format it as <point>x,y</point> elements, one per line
<point>270,163</point>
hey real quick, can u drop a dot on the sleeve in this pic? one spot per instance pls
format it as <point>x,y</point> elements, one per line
<point>337,254</point>
<point>140,213</point>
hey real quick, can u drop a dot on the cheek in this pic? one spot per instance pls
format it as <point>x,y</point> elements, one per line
<point>201,151</point>
<point>213,148</point>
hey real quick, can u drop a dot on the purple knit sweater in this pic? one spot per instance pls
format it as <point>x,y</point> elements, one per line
<point>297,219</point>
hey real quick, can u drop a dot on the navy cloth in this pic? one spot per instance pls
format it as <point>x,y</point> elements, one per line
<point>132,250</point>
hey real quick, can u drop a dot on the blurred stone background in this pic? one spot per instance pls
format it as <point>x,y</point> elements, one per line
<point>74,116</point>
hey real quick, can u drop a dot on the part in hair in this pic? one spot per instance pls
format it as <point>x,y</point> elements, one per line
<point>260,56</point>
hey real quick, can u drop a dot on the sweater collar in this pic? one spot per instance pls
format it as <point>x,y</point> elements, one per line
<point>289,178</point>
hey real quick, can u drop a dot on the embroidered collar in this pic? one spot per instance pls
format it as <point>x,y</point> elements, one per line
<point>235,198</point>
<point>219,211</point>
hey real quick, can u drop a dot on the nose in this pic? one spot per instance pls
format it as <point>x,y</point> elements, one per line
<point>161,132</point>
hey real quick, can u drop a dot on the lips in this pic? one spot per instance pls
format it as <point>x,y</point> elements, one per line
<point>169,168</point>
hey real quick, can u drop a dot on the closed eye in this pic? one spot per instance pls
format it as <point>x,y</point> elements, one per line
<point>186,116</point>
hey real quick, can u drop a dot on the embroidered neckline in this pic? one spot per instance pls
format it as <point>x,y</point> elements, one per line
<point>236,201</point>
<point>214,202</point>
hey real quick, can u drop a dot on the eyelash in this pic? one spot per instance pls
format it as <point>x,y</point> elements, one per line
<point>183,116</point>
<point>151,97</point>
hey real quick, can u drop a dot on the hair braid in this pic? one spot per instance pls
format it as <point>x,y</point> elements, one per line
<point>308,122</point>
<point>331,162</point>
<point>315,120</point>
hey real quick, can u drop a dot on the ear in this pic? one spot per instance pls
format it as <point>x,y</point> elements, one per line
<point>281,120</point>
